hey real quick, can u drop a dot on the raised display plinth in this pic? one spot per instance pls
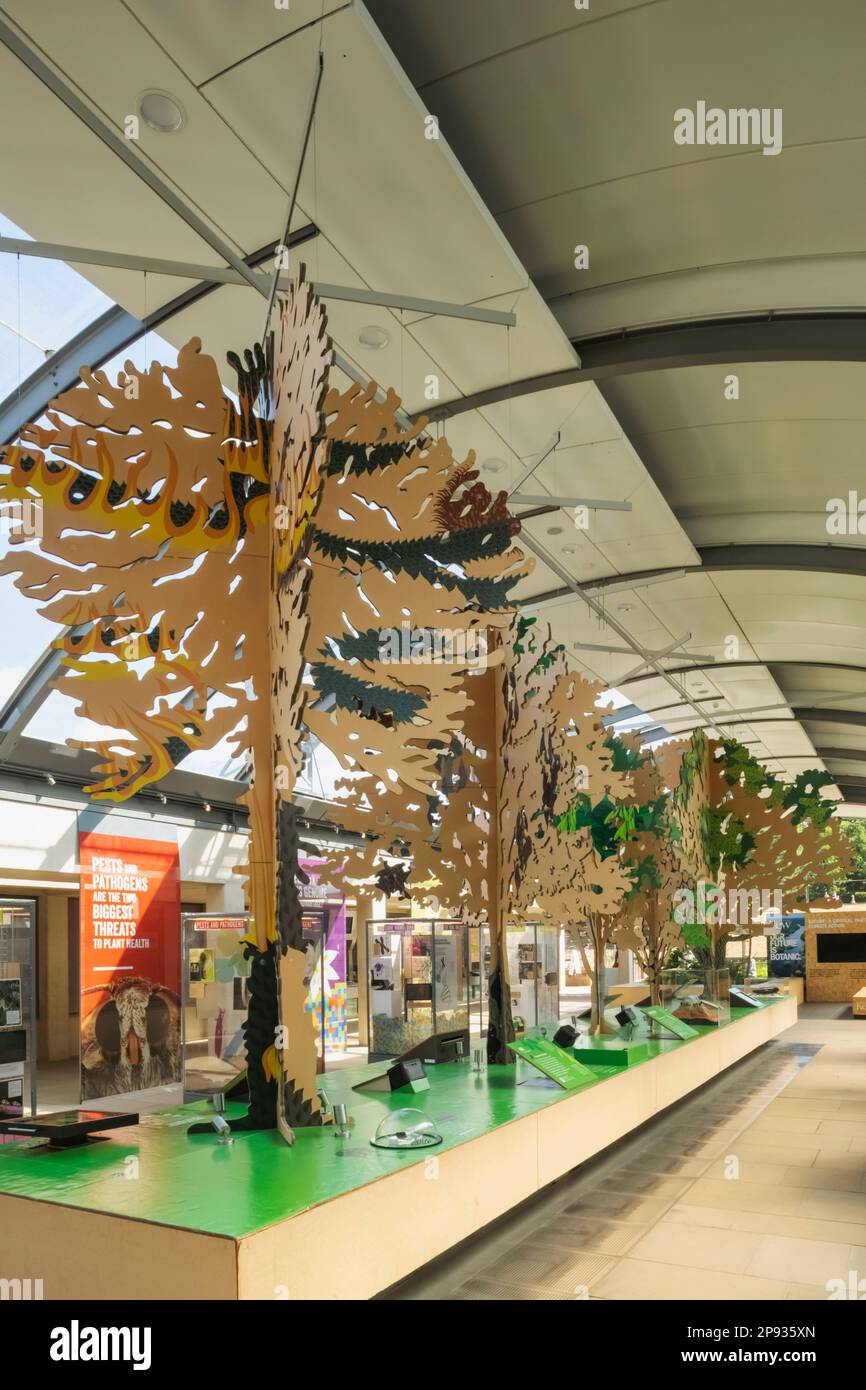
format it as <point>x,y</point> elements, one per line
<point>615,1050</point>
<point>153,1213</point>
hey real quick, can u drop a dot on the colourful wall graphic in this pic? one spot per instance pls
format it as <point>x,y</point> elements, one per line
<point>324,919</point>
<point>130,964</point>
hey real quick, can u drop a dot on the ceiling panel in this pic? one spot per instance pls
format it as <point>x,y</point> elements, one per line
<point>435,40</point>
<point>206,36</point>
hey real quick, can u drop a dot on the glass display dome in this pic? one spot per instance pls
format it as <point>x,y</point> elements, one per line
<point>406,1129</point>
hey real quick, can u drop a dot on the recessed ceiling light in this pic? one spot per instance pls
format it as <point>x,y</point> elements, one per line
<point>625,608</point>
<point>555,530</point>
<point>493,465</point>
<point>570,550</point>
<point>161,111</point>
<point>373,336</point>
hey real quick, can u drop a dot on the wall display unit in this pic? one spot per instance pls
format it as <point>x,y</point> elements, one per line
<point>17,1011</point>
<point>324,931</point>
<point>215,997</point>
<point>696,995</point>
<point>835,956</point>
<point>420,982</point>
<point>533,969</point>
<point>786,945</point>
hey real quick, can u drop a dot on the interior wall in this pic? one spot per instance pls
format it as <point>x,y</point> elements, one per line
<point>57,1026</point>
<point>38,844</point>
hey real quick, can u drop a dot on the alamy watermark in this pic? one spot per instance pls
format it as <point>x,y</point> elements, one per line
<point>21,1290</point>
<point>21,518</point>
<point>77,1343</point>
<point>712,906</point>
<point>712,125</point>
<point>853,1287</point>
<point>425,646</point>
<point>846,516</point>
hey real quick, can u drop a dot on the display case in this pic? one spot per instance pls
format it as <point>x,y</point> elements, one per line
<point>696,995</point>
<point>533,972</point>
<point>215,1001</point>
<point>17,1008</point>
<point>324,927</point>
<point>426,976</point>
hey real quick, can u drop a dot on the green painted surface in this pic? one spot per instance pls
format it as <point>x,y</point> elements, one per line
<point>198,1184</point>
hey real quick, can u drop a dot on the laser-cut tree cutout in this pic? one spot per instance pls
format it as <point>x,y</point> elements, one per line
<point>749,836</point>
<point>158,551</point>
<point>598,821</point>
<point>552,753</point>
<point>147,488</point>
<point>413,563</point>
<point>792,842</point>
<point>654,859</point>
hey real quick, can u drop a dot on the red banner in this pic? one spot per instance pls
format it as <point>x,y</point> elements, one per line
<point>130,964</point>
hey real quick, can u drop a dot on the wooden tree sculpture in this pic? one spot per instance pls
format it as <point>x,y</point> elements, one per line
<point>596,825</point>
<point>558,774</point>
<point>159,557</point>
<point>792,842</point>
<point>298,455</point>
<point>750,840</point>
<point>413,564</point>
<point>653,858</point>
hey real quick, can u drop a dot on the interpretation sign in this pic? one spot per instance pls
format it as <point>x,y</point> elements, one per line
<point>553,1062</point>
<point>130,963</point>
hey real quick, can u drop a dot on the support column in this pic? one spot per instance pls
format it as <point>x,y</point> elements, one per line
<point>53,1039</point>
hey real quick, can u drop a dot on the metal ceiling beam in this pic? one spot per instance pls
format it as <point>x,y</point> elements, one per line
<point>815,714</point>
<point>778,336</point>
<point>855,755</point>
<point>629,651</point>
<point>722,665</point>
<point>225,275</point>
<point>124,149</point>
<point>842,717</point>
<point>610,621</point>
<point>851,789</point>
<point>30,693</point>
<point>756,710</point>
<point>547,502</point>
<point>98,342</point>
<point>812,559</point>
<point>103,339</point>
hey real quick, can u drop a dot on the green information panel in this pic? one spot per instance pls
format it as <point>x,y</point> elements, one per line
<point>549,1059</point>
<point>673,1025</point>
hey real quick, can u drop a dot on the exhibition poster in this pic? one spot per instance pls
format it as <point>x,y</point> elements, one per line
<point>130,964</point>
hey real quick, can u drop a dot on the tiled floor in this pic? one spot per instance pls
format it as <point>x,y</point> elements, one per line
<point>753,1189</point>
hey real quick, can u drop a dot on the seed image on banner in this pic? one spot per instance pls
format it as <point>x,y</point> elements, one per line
<point>130,958</point>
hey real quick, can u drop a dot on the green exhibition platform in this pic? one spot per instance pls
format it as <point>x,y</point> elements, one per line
<point>153,1213</point>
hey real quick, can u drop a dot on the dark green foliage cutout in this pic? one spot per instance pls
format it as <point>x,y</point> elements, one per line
<point>695,936</point>
<point>603,819</point>
<point>373,701</point>
<point>740,766</point>
<point>804,794</point>
<point>428,557</point>
<point>693,760</point>
<point>623,758</point>
<point>725,840</point>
